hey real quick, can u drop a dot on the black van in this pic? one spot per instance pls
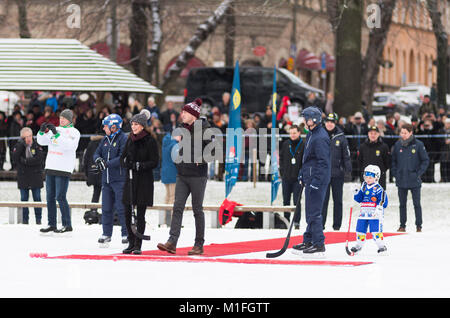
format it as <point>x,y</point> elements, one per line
<point>209,83</point>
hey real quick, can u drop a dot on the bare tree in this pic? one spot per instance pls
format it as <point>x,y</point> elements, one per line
<point>345,18</point>
<point>153,54</point>
<point>23,24</point>
<point>113,19</point>
<point>200,35</point>
<point>230,35</point>
<point>138,35</point>
<point>374,53</point>
<point>441,43</point>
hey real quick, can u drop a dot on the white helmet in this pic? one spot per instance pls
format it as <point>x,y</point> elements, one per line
<point>373,170</point>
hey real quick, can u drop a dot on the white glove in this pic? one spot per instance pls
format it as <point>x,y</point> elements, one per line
<point>356,189</point>
<point>379,211</point>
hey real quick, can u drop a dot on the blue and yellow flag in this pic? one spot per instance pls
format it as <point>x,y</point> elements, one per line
<point>275,180</point>
<point>234,135</point>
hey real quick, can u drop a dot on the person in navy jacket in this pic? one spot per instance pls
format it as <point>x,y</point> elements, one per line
<point>107,159</point>
<point>340,164</point>
<point>315,176</point>
<point>409,162</point>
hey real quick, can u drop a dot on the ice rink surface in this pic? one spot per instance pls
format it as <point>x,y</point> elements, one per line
<point>415,266</point>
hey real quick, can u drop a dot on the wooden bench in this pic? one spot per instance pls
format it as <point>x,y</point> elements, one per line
<point>15,210</point>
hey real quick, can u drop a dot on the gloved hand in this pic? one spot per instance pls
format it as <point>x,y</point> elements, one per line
<point>52,128</point>
<point>379,211</point>
<point>137,166</point>
<point>100,163</point>
<point>43,127</point>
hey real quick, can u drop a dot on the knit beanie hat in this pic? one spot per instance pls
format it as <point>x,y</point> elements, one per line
<point>142,118</point>
<point>67,114</point>
<point>193,108</point>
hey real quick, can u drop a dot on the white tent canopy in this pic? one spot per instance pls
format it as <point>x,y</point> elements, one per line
<point>63,65</point>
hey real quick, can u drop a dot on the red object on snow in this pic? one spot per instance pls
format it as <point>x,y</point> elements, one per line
<point>226,211</point>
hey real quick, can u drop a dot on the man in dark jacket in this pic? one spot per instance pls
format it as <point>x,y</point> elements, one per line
<point>29,157</point>
<point>107,159</point>
<point>191,178</point>
<point>315,176</point>
<point>291,155</point>
<point>340,164</point>
<point>409,162</point>
<point>374,151</point>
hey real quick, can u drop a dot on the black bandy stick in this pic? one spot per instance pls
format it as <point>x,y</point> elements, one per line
<point>288,237</point>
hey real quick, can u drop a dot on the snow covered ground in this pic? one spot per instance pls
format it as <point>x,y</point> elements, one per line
<point>416,264</point>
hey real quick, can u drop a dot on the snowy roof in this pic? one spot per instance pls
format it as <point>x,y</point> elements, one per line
<point>63,65</point>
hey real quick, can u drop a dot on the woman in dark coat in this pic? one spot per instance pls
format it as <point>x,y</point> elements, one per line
<point>141,157</point>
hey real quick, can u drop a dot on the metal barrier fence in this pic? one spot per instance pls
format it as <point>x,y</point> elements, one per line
<point>440,159</point>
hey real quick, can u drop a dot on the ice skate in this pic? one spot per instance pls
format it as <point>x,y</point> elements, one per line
<point>299,248</point>
<point>382,250</point>
<point>355,249</point>
<point>104,241</point>
<point>48,231</point>
<point>65,231</point>
<point>315,251</point>
<point>124,240</point>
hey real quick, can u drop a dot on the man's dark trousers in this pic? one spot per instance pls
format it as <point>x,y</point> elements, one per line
<point>336,186</point>
<point>185,186</point>
<point>402,197</point>
<point>313,212</point>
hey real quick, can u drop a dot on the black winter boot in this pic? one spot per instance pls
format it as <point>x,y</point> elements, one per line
<point>130,247</point>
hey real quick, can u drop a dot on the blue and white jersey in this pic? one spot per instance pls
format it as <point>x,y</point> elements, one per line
<point>370,196</point>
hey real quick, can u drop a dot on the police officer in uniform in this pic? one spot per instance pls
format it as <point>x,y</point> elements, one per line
<point>340,164</point>
<point>374,151</point>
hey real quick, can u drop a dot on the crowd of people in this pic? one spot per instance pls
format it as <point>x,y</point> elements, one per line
<point>356,141</point>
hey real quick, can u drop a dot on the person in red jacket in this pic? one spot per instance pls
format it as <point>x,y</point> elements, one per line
<point>48,117</point>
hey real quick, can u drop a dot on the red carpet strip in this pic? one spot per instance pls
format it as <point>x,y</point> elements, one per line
<point>216,250</point>
<point>196,259</point>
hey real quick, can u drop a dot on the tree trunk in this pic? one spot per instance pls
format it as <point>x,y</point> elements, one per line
<point>138,36</point>
<point>153,54</point>
<point>348,58</point>
<point>374,53</point>
<point>114,36</point>
<point>441,43</point>
<point>230,35</point>
<point>200,35</point>
<point>24,32</point>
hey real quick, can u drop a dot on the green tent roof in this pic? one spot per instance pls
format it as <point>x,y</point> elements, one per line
<point>63,65</point>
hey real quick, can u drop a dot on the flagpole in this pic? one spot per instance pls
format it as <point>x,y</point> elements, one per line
<point>234,136</point>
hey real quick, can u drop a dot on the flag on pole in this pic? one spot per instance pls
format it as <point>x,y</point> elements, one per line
<point>275,180</point>
<point>234,135</point>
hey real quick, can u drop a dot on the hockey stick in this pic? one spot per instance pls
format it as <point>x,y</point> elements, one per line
<point>133,213</point>
<point>288,237</point>
<point>350,253</point>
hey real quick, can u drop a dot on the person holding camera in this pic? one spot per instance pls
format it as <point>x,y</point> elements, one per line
<point>107,161</point>
<point>29,157</point>
<point>62,142</point>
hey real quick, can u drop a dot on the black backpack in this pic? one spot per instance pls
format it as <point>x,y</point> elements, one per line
<point>92,217</point>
